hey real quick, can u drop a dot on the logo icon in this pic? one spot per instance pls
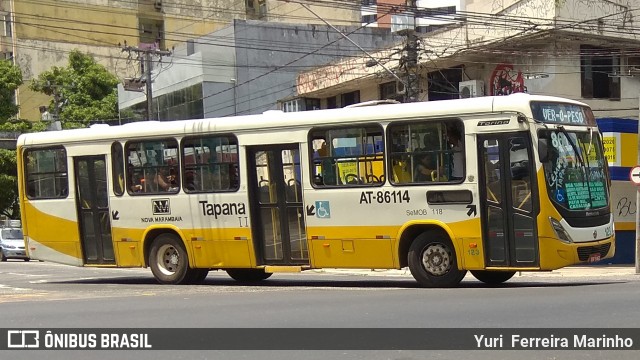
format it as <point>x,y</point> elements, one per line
<point>23,339</point>
<point>161,207</point>
<point>323,210</point>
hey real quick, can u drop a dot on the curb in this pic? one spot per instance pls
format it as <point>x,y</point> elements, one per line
<point>570,271</point>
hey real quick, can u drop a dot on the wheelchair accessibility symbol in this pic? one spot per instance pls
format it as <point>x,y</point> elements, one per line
<point>323,211</point>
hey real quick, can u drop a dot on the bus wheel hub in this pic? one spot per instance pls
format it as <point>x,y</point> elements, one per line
<point>436,259</point>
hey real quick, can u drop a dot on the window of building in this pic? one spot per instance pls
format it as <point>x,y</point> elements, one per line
<point>262,8</point>
<point>599,70</point>
<point>46,173</point>
<point>389,91</point>
<point>351,156</point>
<point>423,152</point>
<point>152,167</point>
<point>182,104</point>
<point>311,104</point>
<point>191,47</point>
<point>8,32</point>
<point>350,98</point>
<point>443,84</point>
<point>332,102</point>
<point>210,164</point>
<point>369,19</point>
<point>152,32</point>
<point>369,2</point>
<point>117,168</point>
<point>300,104</point>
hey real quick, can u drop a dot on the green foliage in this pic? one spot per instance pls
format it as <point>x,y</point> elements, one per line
<point>85,91</point>
<point>22,126</point>
<point>8,184</point>
<point>10,80</point>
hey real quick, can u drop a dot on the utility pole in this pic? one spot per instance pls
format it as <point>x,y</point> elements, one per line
<point>409,59</point>
<point>145,55</point>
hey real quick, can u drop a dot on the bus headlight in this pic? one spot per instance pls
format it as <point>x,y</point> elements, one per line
<point>561,233</point>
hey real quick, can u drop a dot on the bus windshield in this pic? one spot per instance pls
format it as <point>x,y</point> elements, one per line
<point>575,170</point>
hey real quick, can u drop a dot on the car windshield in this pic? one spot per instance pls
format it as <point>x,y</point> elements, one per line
<point>12,234</point>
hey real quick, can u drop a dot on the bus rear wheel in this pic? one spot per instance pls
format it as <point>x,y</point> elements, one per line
<point>197,276</point>
<point>492,277</point>
<point>432,261</point>
<point>248,275</point>
<point>169,261</point>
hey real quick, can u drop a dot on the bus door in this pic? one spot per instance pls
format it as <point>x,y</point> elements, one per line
<point>508,199</point>
<point>275,195</point>
<point>92,203</point>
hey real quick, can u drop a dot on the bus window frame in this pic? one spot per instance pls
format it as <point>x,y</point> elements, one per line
<point>233,165</point>
<point>64,191</point>
<point>446,122</point>
<point>337,159</point>
<point>129,167</point>
<point>118,170</point>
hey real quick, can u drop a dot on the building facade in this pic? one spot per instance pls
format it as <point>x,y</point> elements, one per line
<point>244,69</point>
<point>583,50</point>
<point>39,34</point>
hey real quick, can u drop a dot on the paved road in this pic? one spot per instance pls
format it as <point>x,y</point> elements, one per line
<point>38,294</point>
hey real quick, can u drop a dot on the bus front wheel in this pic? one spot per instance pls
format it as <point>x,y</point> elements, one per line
<point>248,275</point>
<point>492,277</point>
<point>169,261</point>
<point>432,261</point>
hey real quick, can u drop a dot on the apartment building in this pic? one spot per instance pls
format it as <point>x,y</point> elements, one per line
<point>39,34</point>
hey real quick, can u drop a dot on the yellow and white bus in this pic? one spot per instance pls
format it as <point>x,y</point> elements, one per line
<point>524,188</point>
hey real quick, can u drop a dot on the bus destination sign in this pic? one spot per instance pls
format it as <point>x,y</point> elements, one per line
<point>559,113</point>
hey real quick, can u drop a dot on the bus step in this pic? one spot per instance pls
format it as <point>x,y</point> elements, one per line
<point>282,269</point>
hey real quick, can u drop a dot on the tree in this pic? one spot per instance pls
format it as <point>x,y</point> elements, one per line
<point>10,80</point>
<point>83,92</point>
<point>8,184</point>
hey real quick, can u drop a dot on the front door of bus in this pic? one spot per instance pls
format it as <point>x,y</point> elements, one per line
<point>92,202</point>
<point>277,217</point>
<point>508,191</point>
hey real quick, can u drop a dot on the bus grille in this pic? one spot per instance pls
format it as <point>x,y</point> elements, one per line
<point>585,251</point>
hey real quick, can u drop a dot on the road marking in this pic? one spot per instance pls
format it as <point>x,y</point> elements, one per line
<point>2,286</point>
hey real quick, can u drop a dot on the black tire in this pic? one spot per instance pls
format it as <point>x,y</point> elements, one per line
<point>248,275</point>
<point>197,276</point>
<point>27,260</point>
<point>168,260</point>
<point>492,277</point>
<point>2,257</point>
<point>432,261</point>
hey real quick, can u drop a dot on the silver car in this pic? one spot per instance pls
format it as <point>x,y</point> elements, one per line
<point>12,244</point>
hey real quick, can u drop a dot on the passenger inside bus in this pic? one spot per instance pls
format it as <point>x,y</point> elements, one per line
<point>190,181</point>
<point>426,164</point>
<point>166,182</point>
<point>328,167</point>
<point>425,169</point>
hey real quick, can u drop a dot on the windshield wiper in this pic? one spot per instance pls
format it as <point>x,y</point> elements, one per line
<point>585,170</point>
<point>590,142</point>
<point>573,145</point>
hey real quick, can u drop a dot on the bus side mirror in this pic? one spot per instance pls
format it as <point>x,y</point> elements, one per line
<point>543,150</point>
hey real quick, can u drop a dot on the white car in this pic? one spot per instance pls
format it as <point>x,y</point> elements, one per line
<point>12,244</point>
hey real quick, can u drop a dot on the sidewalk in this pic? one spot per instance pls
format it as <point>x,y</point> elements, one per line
<point>570,271</point>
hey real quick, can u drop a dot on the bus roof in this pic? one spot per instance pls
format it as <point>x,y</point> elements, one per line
<point>274,119</point>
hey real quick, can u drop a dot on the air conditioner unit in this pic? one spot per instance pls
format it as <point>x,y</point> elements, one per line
<point>471,88</point>
<point>157,4</point>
